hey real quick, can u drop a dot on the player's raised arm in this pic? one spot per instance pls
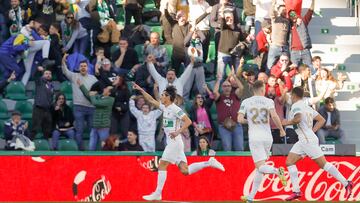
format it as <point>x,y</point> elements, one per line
<point>147,96</point>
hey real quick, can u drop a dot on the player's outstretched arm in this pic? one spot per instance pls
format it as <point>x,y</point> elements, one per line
<point>276,119</point>
<point>147,96</point>
<point>320,121</point>
<point>241,118</point>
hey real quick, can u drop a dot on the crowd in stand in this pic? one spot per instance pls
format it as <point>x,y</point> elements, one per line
<point>92,44</point>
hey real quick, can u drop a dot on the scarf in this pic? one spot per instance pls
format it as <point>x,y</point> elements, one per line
<point>104,12</point>
<point>16,21</point>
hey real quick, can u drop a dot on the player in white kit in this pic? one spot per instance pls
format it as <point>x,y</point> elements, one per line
<point>175,122</point>
<point>301,118</point>
<point>258,110</point>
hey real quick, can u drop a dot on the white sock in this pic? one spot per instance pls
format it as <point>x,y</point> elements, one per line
<point>335,172</point>
<point>195,167</point>
<point>293,172</point>
<point>267,169</point>
<point>256,184</point>
<point>161,181</point>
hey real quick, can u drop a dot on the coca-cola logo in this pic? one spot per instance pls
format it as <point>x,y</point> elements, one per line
<point>316,185</point>
<point>100,188</point>
<point>151,165</point>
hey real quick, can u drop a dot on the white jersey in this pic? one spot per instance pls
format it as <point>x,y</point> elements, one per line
<point>304,128</point>
<point>172,116</point>
<point>257,110</point>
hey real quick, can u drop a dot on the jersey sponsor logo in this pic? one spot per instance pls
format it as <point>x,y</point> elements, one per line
<point>168,123</point>
<point>295,110</point>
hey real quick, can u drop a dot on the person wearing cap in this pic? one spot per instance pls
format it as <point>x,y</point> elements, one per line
<point>280,26</point>
<point>83,109</point>
<point>104,72</point>
<point>15,128</point>
<point>300,41</point>
<point>103,102</point>
<point>43,100</point>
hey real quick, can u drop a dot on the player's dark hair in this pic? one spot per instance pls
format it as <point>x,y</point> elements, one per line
<point>298,91</point>
<point>329,100</point>
<point>171,91</point>
<point>258,85</point>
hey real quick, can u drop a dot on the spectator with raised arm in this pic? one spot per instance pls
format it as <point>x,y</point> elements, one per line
<point>74,36</point>
<point>146,124</point>
<point>83,109</point>
<point>227,105</point>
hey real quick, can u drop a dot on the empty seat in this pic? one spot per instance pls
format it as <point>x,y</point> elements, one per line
<point>65,87</point>
<point>68,145</point>
<point>211,52</point>
<point>41,145</point>
<point>15,91</point>
<point>3,110</point>
<point>25,107</point>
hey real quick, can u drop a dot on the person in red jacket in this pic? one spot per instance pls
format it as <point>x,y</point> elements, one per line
<point>263,40</point>
<point>283,70</point>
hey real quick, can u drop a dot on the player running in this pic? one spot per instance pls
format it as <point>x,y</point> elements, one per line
<point>173,116</point>
<point>257,109</point>
<point>302,117</point>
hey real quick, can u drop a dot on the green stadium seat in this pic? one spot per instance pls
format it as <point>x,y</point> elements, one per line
<point>86,145</point>
<point>16,91</point>
<point>149,4</point>
<point>114,48</point>
<point>212,52</point>
<point>67,145</point>
<point>26,108</point>
<point>332,140</point>
<point>3,110</point>
<point>139,50</point>
<point>2,122</point>
<point>188,105</point>
<point>169,50</point>
<point>65,87</point>
<point>41,145</point>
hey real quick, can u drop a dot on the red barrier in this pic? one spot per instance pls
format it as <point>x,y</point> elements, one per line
<point>127,178</point>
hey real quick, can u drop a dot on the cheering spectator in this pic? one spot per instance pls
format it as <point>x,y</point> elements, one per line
<point>16,17</point>
<point>332,126</point>
<point>203,148</point>
<point>131,144</point>
<point>74,36</point>
<point>325,81</point>
<point>168,13</point>
<point>146,124</point>
<point>300,42</point>
<point>83,109</point>
<point>280,30</point>
<point>303,79</point>
<point>227,106</point>
<point>201,116</point>
<point>104,72</point>
<point>263,41</point>
<point>283,70</point>
<point>63,120</point>
<point>103,103</point>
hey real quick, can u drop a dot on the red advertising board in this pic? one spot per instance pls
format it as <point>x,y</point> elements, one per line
<point>127,178</point>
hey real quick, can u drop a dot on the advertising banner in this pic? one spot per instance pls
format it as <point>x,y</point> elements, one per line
<point>128,178</point>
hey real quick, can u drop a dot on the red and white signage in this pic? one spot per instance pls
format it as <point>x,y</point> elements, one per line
<point>127,178</point>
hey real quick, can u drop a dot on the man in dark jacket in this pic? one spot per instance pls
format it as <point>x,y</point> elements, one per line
<point>299,37</point>
<point>131,144</point>
<point>44,93</point>
<point>332,125</point>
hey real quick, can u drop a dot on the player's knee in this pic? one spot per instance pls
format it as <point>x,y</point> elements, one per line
<point>289,162</point>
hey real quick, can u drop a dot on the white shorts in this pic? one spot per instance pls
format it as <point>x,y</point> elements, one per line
<point>260,150</point>
<point>310,149</point>
<point>174,152</point>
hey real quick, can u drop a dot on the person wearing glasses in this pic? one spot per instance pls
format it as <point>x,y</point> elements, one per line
<point>74,36</point>
<point>173,116</point>
<point>284,70</point>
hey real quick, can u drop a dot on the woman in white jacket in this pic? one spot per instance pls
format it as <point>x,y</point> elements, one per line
<point>146,122</point>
